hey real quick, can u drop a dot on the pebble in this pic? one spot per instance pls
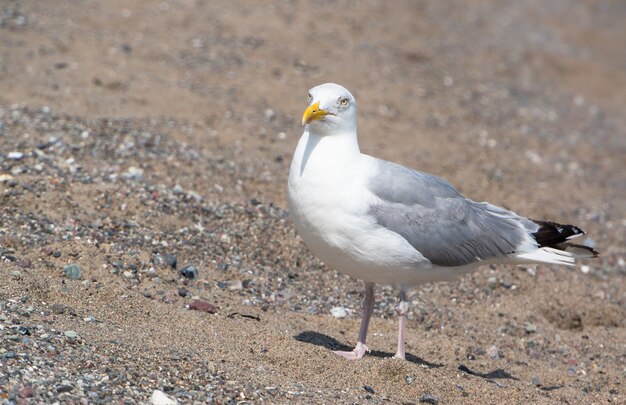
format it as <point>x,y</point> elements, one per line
<point>585,269</point>
<point>133,173</point>
<point>64,388</point>
<point>530,328</point>
<point>202,305</point>
<point>189,272</point>
<point>9,355</point>
<point>170,260</point>
<point>15,155</point>
<point>534,380</point>
<point>16,274</point>
<point>235,285</point>
<point>160,398</point>
<point>70,334</point>
<point>369,389</point>
<point>493,352</point>
<point>429,399</point>
<point>492,282</point>
<point>128,274</point>
<point>339,312</point>
<point>58,308</point>
<point>6,178</point>
<point>72,271</point>
<point>409,379</point>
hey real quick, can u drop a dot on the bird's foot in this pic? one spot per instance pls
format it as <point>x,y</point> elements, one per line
<point>399,356</point>
<point>357,353</point>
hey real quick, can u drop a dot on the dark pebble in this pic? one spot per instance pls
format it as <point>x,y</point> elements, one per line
<point>255,202</point>
<point>56,253</point>
<point>170,260</point>
<point>189,272</point>
<point>429,399</point>
<point>9,355</point>
<point>23,330</point>
<point>58,308</point>
<point>64,388</point>
<point>369,389</point>
<point>201,305</point>
<point>72,271</point>
<point>183,292</point>
<point>23,264</point>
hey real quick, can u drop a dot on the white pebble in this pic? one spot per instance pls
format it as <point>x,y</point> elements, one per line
<point>339,312</point>
<point>585,269</point>
<point>159,398</point>
<point>15,155</point>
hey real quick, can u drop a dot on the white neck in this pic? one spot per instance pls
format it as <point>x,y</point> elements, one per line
<point>325,153</point>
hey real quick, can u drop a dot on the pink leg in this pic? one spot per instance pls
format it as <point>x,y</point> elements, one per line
<point>401,310</point>
<point>368,308</point>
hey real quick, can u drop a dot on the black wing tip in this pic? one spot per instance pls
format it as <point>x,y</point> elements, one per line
<point>551,233</point>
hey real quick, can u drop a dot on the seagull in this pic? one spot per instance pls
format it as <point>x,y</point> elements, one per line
<point>384,223</point>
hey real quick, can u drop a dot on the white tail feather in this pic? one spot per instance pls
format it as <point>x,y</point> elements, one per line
<point>547,255</point>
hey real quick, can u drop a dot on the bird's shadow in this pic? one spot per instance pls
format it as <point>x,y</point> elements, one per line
<point>330,343</point>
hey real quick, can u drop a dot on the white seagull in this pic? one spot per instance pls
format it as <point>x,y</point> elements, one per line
<point>384,223</point>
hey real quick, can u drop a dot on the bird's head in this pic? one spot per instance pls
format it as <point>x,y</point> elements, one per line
<point>331,109</point>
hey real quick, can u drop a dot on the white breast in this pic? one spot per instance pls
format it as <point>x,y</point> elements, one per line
<point>329,205</point>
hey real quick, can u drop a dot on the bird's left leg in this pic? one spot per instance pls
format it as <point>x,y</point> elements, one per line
<point>401,309</point>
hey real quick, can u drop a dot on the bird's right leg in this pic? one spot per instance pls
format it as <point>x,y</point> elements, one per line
<point>368,308</point>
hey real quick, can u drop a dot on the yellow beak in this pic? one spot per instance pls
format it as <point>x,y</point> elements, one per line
<point>313,113</point>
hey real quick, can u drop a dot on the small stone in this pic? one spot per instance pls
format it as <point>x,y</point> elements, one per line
<point>9,355</point>
<point>128,274</point>
<point>235,285</point>
<point>269,114</point>
<point>429,399</point>
<point>493,352</point>
<point>534,380</point>
<point>56,253</point>
<point>369,389</point>
<point>15,155</point>
<point>89,319</point>
<point>133,173</point>
<point>585,269</point>
<point>189,272</point>
<point>23,263</point>
<point>492,282</point>
<point>160,398</point>
<point>26,391</point>
<point>530,328</point>
<point>409,379</point>
<point>202,305</point>
<point>58,308</point>
<point>16,275</point>
<point>72,271</point>
<point>70,334</point>
<point>183,292</point>
<point>64,388</point>
<point>339,312</point>
<point>23,330</point>
<point>170,260</point>
<point>6,178</point>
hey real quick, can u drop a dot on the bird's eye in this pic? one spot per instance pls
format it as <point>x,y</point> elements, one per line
<point>309,98</point>
<point>343,102</point>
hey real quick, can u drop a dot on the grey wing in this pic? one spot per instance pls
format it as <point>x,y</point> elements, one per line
<point>445,227</point>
